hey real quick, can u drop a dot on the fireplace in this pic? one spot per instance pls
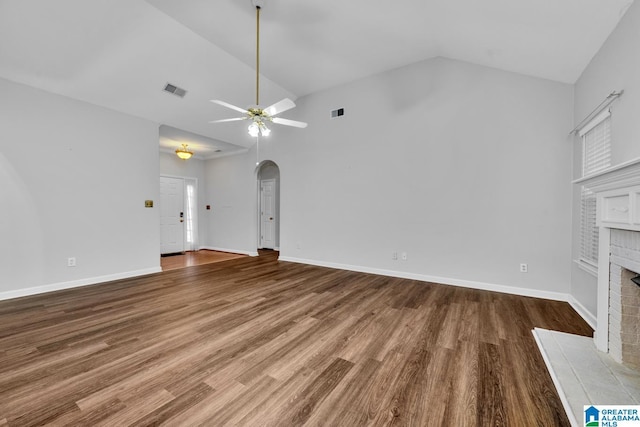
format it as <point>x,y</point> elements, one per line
<point>607,373</point>
<point>618,300</point>
<point>624,298</point>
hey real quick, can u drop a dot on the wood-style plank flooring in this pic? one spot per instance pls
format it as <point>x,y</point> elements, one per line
<point>254,341</point>
<point>191,258</point>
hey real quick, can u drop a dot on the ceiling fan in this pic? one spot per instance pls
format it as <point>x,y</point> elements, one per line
<point>258,116</point>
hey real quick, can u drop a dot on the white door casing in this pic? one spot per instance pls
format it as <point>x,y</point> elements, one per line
<point>268,213</point>
<point>171,215</point>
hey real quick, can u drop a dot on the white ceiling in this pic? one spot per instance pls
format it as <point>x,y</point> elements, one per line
<point>312,45</point>
<point>120,53</point>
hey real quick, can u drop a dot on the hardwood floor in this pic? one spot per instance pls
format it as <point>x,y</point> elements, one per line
<point>254,341</point>
<point>191,258</point>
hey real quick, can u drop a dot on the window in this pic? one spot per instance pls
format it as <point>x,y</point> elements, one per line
<point>191,215</point>
<point>596,157</point>
<point>588,228</point>
<point>596,140</point>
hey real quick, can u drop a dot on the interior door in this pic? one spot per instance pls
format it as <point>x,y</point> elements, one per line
<point>268,213</point>
<point>171,215</point>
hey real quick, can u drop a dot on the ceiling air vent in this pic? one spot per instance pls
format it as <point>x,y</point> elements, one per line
<point>178,91</point>
<point>337,113</point>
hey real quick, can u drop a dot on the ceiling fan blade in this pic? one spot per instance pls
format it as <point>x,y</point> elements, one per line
<point>226,104</point>
<point>228,120</point>
<point>279,107</point>
<point>288,122</point>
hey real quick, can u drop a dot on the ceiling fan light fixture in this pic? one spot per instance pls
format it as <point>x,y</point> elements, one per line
<point>184,153</point>
<point>254,130</point>
<point>256,114</point>
<point>258,128</point>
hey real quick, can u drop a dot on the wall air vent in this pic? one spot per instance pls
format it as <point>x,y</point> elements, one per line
<point>337,113</point>
<point>178,91</point>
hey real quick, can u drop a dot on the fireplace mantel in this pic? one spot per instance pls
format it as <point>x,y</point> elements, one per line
<point>619,208</point>
<point>617,192</point>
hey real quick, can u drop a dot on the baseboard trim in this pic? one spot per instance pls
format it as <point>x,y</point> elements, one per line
<point>231,251</point>
<point>18,293</point>
<point>527,292</point>
<point>588,317</point>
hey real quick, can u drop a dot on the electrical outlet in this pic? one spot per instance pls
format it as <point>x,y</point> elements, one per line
<point>71,262</point>
<point>394,256</point>
<point>404,256</point>
<point>524,268</point>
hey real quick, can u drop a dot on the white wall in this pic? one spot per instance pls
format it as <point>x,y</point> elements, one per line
<point>172,165</point>
<point>615,67</point>
<point>463,167</point>
<point>231,190</point>
<point>74,178</point>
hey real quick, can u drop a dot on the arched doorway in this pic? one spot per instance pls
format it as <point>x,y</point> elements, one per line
<point>268,205</point>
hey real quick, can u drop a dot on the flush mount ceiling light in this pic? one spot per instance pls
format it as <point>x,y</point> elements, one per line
<point>258,116</point>
<point>184,153</point>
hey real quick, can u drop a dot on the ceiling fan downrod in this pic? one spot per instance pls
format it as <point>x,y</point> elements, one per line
<point>260,116</point>
<point>258,5</point>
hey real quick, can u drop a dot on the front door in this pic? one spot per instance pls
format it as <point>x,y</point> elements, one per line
<point>268,213</point>
<point>171,215</point>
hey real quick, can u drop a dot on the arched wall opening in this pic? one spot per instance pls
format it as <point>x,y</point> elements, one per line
<point>268,213</point>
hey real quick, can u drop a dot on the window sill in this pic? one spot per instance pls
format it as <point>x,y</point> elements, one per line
<point>588,267</point>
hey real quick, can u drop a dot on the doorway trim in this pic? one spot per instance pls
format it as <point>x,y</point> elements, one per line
<point>174,228</point>
<point>268,226</point>
<point>274,174</point>
<point>195,213</point>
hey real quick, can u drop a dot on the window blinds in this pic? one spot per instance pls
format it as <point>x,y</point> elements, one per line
<point>597,147</point>
<point>589,235</point>
<point>596,137</point>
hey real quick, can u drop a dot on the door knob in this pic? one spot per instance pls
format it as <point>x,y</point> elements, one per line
<point>270,218</point>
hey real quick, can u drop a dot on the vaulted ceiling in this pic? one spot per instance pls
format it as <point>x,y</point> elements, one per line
<point>121,53</point>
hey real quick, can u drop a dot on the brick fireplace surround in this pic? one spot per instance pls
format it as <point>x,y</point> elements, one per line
<point>624,298</point>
